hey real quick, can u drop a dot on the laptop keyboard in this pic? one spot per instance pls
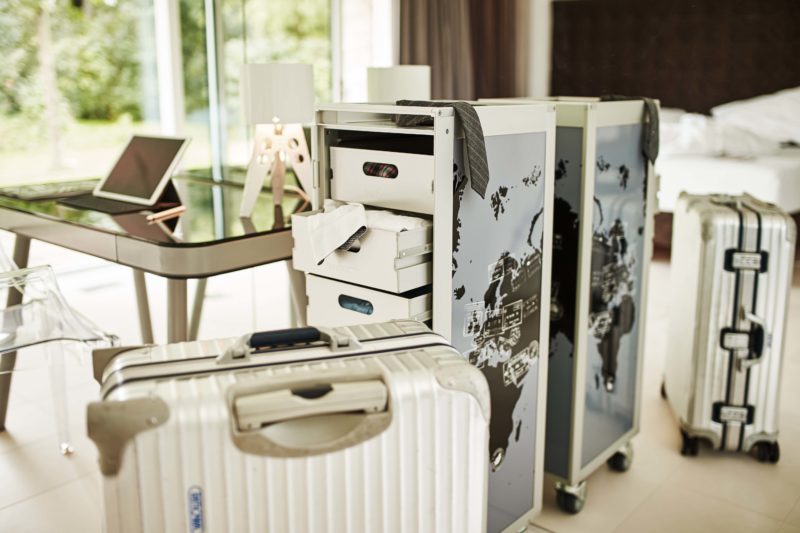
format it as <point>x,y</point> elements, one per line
<point>104,205</point>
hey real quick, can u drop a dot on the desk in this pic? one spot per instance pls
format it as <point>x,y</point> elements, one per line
<point>208,239</point>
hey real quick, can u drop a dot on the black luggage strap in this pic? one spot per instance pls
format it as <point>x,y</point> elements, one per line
<point>650,140</point>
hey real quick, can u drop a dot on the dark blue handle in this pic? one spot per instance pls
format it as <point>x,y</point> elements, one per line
<point>284,337</point>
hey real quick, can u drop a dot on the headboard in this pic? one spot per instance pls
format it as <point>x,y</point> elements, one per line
<point>691,54</point>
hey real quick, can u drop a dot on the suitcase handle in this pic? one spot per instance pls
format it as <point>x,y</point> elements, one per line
<point>284,337</point>
<point>259,410</point>
<point>253,342</point>
<point>757,337</point>
<point>311,416</point>
<point>749,345</point>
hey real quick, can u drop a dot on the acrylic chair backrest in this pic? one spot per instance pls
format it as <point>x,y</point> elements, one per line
<point>42,314</point>
<point>6,264</point>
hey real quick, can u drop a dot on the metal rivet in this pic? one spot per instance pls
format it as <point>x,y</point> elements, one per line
<point>497,458</point>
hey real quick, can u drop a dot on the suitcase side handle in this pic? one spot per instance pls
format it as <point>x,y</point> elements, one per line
<point>310,417</point>
<point>758,337</point>
<point>285,338</point>
<point>749,344</point>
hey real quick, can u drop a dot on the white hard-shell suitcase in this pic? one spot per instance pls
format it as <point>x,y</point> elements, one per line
<point>382,427</point>
<point>732,262</point>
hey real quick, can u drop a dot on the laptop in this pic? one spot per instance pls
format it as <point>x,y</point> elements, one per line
<point>139,180</point>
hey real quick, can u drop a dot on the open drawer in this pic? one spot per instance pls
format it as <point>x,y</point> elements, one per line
<point>394,261</point>
<point>334,303</point>
<point>396,180</point>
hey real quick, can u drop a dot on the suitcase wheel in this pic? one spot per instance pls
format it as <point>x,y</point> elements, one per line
<point>568,502</point>
<point>690,446</point>
<point>768,452</point>
<point>664,389</point>
<point>621,460</point>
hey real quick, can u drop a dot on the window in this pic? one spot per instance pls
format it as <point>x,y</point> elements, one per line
<point>258,31</point>
<point>75,83</point>
<point>366,39</point>
<point>80,76</point>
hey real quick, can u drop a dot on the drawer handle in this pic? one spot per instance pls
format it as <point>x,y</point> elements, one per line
<point>355,304</point>
<point>380,170</point>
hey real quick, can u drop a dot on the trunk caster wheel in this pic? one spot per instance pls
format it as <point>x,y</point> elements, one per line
<point>621,460</point>
<point>570,498</point>
<point>690,446</point>
<point>768,452</point>
<point>664,389</point>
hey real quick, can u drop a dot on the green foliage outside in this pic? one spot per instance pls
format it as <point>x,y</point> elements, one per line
<point>96,54</point>
<point>104,54</point>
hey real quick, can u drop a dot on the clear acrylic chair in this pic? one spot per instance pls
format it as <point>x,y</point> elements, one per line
<point>36,316</point>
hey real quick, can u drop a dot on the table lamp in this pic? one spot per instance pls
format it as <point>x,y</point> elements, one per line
<point>277,98</point>
<point>401,82</point>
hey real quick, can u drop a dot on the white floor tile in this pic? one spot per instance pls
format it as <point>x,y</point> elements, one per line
<point>32,469</point>
<point>794,515</point>
<point>670,510</point>
<point>68,508</point>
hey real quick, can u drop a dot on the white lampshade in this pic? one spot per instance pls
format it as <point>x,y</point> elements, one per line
<point>278,92</point>
<point>403,82</point>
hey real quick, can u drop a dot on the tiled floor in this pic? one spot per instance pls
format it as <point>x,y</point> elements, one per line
<point>40,491</point>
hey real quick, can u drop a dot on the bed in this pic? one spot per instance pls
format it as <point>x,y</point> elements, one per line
<point>774,178</point>
<point>692,55</point>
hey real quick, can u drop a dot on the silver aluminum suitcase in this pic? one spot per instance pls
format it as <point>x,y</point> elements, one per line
<point>382,427</point>
<point>732,262</point>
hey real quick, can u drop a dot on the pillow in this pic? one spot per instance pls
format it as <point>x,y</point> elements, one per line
<point>774,116</point>
<point>696,134</point>
<point>670,114</point>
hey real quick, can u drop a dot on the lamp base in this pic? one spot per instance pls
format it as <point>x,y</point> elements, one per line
<point>275,146</point>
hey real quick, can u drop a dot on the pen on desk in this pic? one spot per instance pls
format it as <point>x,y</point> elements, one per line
<point>166,214</point>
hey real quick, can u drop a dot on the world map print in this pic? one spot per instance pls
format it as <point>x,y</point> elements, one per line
<point>497,307</point>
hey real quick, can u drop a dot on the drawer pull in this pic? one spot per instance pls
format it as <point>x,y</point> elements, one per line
<point>355,304</point>
<point>380,170</point>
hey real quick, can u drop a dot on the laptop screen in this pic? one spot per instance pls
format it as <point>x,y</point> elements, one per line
<point>142,166</point>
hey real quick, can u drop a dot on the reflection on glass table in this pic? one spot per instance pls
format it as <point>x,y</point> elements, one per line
<point>211,214</point>
<point>205,240</point>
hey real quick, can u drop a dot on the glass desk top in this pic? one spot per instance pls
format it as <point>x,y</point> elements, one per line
<point>211,216</point>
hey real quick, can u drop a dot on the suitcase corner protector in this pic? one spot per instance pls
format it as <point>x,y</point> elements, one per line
<point>101,357</point>
<point>112,424</point>
<point>466,379</point>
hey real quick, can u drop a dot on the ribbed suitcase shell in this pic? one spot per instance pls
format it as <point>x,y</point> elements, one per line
<point>698,368</point>
<point>425,472</point>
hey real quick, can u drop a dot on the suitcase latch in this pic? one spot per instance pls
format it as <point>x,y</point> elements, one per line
<point>749,344</point>
<point>735,340</point>
<point>738,260</point>
<point>740,414</point>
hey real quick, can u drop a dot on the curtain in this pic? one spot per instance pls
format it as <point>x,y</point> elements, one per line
<point>475,48</point>
<point>437,33</point>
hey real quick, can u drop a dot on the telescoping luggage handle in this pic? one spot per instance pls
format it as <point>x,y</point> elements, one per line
<point>286,338</point>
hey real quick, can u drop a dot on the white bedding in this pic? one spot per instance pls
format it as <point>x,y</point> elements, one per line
<point>774,178</point>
